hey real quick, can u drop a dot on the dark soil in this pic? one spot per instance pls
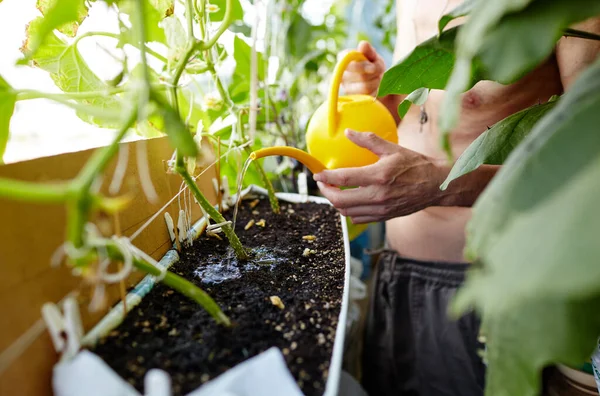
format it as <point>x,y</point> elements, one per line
<point>170,332</point>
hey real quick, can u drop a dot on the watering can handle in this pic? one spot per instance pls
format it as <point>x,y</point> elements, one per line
<point>341,66</point>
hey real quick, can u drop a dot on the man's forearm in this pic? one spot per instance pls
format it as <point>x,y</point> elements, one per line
<point>465,190</point>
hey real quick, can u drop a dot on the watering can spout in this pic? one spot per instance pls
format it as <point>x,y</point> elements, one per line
<point>313,164</point>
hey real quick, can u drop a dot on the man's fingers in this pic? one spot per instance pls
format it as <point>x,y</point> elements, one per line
<point>365,219</point>
<point>364,67</point>
<point>368,50</point>
<point>346,177</point>
<point>351,77</point>
<point>371,142</point>
<point>361,88</point>
<point>346,199</point>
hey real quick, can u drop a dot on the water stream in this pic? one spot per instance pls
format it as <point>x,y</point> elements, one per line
<point>240,185</point>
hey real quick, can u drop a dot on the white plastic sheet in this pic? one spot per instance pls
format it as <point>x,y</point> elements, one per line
<point>263,375</point>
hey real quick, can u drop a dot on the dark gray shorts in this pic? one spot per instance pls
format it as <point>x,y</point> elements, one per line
<point>411,345</point>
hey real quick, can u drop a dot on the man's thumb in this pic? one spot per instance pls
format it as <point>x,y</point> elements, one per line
<point>368,51</point>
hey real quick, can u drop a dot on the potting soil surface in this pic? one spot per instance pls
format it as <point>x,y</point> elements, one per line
<point>297,258</point>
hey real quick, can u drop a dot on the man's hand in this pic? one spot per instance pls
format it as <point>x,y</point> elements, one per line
<point>400,183</point>
<point>364,77</point>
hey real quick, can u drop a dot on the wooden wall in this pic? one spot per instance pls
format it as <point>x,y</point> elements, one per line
<point>30,233</point>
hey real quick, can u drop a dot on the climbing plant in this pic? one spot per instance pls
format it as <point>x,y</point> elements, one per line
<point>532,237</point>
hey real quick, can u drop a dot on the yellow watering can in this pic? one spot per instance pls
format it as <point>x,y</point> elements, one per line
<point>327,144</point>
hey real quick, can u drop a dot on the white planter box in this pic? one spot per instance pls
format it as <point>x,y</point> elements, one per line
<point>87,374</point>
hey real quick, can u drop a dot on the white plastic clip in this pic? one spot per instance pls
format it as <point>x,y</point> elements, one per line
<point>302,187</point>
<point>170,227</point>
<point>226,195</point>
<point>182,227</point>
<point>65,331</point>
<point>157,383</point>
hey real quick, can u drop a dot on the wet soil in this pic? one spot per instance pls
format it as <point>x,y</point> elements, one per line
<point>298,256</point>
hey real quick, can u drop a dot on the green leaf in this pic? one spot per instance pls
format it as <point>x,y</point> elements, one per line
<point>169,122</point>
<point>428,66</point>
<point>8,98</point>
<point>535,334</point>
<point>241,54</point>
<point>494,145</point>
<point>72,18</point>
<point>154,12</point>
<point>58,13</point>
<point>70,72</point>
<point>535,226</point>
<point>523,40</point>
<point>300,35</point>
<point>483,17</point>
<point>238,12</point>
<point>175,35</point>
<point>417,97</point>
<point>462,10</point>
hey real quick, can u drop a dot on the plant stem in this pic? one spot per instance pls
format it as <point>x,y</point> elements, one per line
<point>118,37</point>
<point>227,20</point>
<point>28,94</point>
<point>581,34</point>
<point>233,108</point>
<point>33,192</point>
<point>234,241</point>
<point>79,203</point>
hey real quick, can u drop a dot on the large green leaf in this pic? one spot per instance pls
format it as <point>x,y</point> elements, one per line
<point>511,38</point>
<point>428,66</point>
<point>523,40</point>
<point>483,17</point>
<point>462,10</point>
<point>241,54</point>
<point>70,72</point>
<point>524,340</point>
<point>8,98</point>
<point>237,11</point>
<point>494,145</point>
<point>57,14</point>
<point>48,8</point>
<point>535,227</point>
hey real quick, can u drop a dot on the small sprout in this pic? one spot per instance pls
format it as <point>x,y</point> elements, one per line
<point>262,223</point>
<point>309,237</point>
<point>253,204</point>
<point>250,224</point>
<point>275,300</point>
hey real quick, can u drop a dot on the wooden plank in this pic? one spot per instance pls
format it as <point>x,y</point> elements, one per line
<point>30,233</point>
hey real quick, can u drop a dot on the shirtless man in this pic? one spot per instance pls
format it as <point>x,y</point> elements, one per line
<point>411,346</point>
